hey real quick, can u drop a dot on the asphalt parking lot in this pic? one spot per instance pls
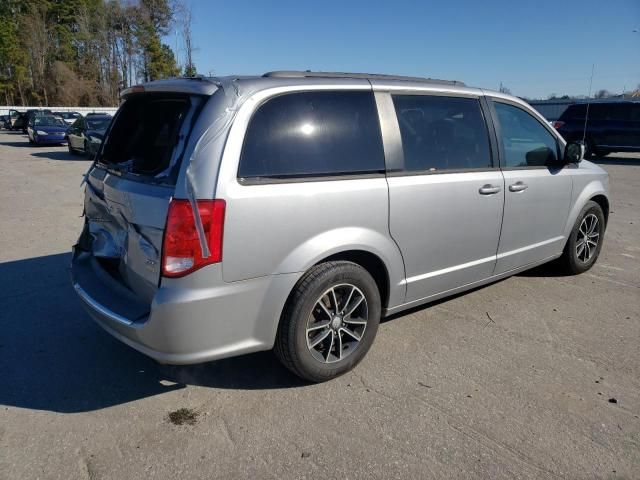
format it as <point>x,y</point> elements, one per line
<point>536,376</point>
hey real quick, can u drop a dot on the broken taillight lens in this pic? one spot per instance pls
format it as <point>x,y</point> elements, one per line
<point>181,250</point>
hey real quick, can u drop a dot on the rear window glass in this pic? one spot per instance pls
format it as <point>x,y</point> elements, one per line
<point>48,122</point>
<point>442,133</point>
<point>313,134</point>
<point>100,123</point>
<point>145,132</point>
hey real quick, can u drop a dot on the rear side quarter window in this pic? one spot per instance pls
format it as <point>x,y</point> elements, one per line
<point>313,134</point>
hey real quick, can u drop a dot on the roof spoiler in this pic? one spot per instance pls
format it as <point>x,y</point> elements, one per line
<point>189,85</point>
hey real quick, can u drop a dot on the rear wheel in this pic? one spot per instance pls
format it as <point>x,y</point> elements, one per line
<point>329,322</point>
<point>591,151</point>
<point>585,241</point>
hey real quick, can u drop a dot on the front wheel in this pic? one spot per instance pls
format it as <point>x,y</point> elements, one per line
<point>585,241</point>
<point>329,322</point>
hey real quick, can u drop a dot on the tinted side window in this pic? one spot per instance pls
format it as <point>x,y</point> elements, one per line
<point>525,142</point>
<point>313,133</point>
<point>442,133</point>
<point>574,112</point>
<point>618,112</point>
<point>598,111</point>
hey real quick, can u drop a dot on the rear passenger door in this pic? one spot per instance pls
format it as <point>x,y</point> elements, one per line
<point>537,188</point>
<point>621,129</point>
<point>445,192</point>
<point>611,120</point>
<point>633,125</point>
<point>309,183</point>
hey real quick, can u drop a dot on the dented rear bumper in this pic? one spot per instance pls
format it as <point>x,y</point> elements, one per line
<point>185,323</point>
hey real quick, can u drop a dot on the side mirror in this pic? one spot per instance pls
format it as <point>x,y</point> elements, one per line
<point>574,152</point>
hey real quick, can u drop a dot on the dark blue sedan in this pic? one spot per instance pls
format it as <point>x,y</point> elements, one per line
<point>46,129</point>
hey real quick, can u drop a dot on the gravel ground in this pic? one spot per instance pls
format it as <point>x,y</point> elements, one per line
<point>536,376</point>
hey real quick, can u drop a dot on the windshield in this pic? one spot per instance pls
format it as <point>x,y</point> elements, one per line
<point>98,123</point>
<point>48,122</point>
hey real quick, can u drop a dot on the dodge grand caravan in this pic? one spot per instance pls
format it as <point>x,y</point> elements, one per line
<point>292,211</point>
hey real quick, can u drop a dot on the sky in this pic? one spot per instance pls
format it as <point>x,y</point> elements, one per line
<point>534,47</point>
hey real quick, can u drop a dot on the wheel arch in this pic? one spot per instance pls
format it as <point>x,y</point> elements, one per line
<point>596,191</point>
<point>372,264</point>
<point>603,201</point>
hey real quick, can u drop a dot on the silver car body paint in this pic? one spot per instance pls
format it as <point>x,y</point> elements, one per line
<point>434,233</point>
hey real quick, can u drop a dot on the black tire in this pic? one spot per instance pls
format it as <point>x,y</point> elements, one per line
<point>591,151</point>
<point>291,345</point>
<point>571,262</point>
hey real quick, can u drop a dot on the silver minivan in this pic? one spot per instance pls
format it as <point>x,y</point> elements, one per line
<point>293,210</point>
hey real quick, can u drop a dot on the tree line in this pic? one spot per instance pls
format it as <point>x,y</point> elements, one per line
<point>85,52</point>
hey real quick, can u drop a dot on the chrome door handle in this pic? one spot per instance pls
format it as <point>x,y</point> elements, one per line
<point>489,189</point>
<point>518,187</point>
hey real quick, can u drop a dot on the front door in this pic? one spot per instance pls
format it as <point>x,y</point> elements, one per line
<point>537,189</point>
<point>445,196</point>
<point>74,133</point>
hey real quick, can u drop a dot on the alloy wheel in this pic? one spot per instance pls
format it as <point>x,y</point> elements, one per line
<point>337,323</point>
<point>588,237</point>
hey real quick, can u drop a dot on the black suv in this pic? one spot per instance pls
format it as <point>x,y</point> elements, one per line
<point>612,126</point>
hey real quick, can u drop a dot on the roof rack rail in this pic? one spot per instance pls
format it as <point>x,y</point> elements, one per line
<point>368,76</point>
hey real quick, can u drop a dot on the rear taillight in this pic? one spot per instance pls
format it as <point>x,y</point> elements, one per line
<point>181,249</point>
<point>557,124</point>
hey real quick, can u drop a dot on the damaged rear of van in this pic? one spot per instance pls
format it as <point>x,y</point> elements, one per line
<point>152,222</point>
<point>294,210</point>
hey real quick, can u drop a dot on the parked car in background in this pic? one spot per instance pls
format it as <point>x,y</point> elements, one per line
<point>31,113</point>
<point>68,117</point>
<point>611,126</point>
<point>20,122</point>
<point>13,117</point>
<point>294,210</point>
<point>46,129</point>
<point>4,121</point>
<point>86,134</point>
